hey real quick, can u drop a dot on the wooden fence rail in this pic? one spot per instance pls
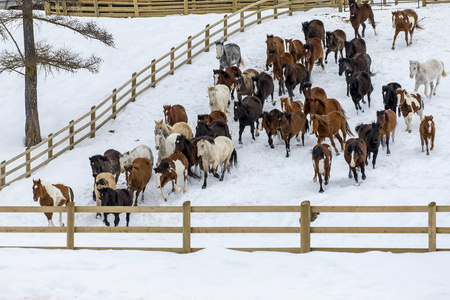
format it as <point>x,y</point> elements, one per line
<point>57,143</point>
<point>304,231</point>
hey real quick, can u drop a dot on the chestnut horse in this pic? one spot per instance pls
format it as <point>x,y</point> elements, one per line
<point>388,122</point>
<point>290,106</point>
<point>427,131</point>
<point>295,48</point>
<point>322,155</point>
<point>51,195</point>
<point>327,126</point>
<point>313,51</point>
<point>274,43</point>
<point>312,93</point>
<point>290,125</point>
<point>278,60</point>
<point>174,114</point>
<point>226,77</point>
<point>269,121</point>
<point>359,14</point>
<point>213,116</point>
<point>404,20</point>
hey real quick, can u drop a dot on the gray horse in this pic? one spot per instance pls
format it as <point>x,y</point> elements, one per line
<point>228,55</point>
<point>425,74</point>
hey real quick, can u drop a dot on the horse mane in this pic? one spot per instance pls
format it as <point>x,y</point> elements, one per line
<point>323,119</point>
<point>225,74</point>
<point>99,156</point>
<point>163,165</point>
<point>268,116</point>
<point>321,102</point>
<point>207,138</point>
<point>317,152</point>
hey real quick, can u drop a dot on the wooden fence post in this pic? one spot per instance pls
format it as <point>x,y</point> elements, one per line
<point>305,227</point>
<point>189,54</point>
<point>432,227</point>
<point>96,8</point>
<point>187,227</point>
<point>340,5</point>
<point>185,7</point>
<point>72,138</point>
<point>275,10</point>
<point>172,57</point>
<point>114,99</point>
<point>424,3</point>
<point>47,8</point>
<point>133,87</point>
<point>50,144</point>
<point>3,171</point>
<point>258,7</point>
<point>92,122</point>
<point>28,165</point>
<point>70,225</point>
<point>234,6</point>
<point>242,21</point>
<point>153,73</point>
<point>225,30</point>
<point>207,38</point>
<point>136,8</point>
<point>290,7</point>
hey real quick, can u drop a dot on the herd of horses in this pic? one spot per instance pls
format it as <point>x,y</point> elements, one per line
<point>292,62</point>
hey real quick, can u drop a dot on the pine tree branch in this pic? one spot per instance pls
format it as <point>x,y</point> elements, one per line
<point>11,36</point>
<point>11,62</point>
<point>89,30</point>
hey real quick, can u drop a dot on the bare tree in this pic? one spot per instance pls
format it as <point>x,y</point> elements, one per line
<point>43,56</point>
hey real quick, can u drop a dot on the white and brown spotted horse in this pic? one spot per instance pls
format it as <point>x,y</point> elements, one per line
<point>409,104</point>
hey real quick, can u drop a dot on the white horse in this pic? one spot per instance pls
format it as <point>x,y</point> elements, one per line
<point>214,152</point>
<point>425,74</point>
<point>228,55</point>
<point>128,157</point>
<point>165,144</point>
<point>219,96</point>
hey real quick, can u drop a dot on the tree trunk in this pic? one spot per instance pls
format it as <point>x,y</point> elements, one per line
<point>32,128</point>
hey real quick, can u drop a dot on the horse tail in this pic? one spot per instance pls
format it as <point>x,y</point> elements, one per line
<point>241,62</point>
<point>192,174</point>
<point>71,195</point>
<point>443,71</point>
<point>306,126</point>
<point>233,159</point>
<point>343,112</point>
<point>308,77</point>
<point>347,129</point>
<point>418,25</point>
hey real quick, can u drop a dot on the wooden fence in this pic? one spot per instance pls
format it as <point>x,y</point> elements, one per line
<point>303,231</point>
<point>24,164</point>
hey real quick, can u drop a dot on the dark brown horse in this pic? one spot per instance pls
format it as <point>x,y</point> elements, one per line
<point>269,121</point>
<point>314,29</point>
<point>335,42</point>
<point>357,45</point>
<point>358,15</point>
<point>278,60</point>
<point>388,122</point>
<point>52,195</point>
<point>295,74</point>
<point>247,112</point>
<point>273,43</point>
<point>322,155</point>
<point>174,114</point>
<point>214,129</point>
<point>108,162</point>
<point>355,155</point>
<point>328,126</point>
<point>213,116</point>
<point>263,87</point>
<point>405,20</point>
<point>370,133</point>
<point>226,77</point>
<point>189,149</point>
<point>313,51</point>
<point>290,125</point>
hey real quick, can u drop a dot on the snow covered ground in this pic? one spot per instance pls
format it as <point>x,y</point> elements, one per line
<point>263,177</point>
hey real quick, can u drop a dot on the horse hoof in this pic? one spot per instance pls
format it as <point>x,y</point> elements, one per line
<point>204,187</point>
<point>321,191</point>
<point>271,146</point>
<point>393,48</point>
<point>364,177</point>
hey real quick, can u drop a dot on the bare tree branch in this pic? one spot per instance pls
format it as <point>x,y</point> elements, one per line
<point>5,29</point>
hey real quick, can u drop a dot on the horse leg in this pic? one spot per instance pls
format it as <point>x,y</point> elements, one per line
<point>116,220</point>
<point>416,87</point>
<point>369,93</point>
<point>335,56</point>
<point>374,159</point>
<point>350,172</point>
<point>62,224</point>
<point>215,167</point>
<point>438,80</point>
<point>287,144</point>
<point>355,174</point>
<point>333,144</point>
<point>387,142</point>
<point>143,191</point>
<point>205,171</point>
<point>321,63</point>
<point>426,90</point>
<point>372,21</point>
<point>49,219</point>
<point>225,166</point>
<point>395,37</point>
<point>320,182</point>
<point>406,38</point>
<point>163,194</point>
<point>105,219</point>
<point>185,180</point>
<point>422,141</point>
<point>337,135</point>
<point>270,140</point>
<point>175,187</point>
<point>363,172</point>
<point>280,86</point>
<point>128,218</point>
<point>132,191</point>
<point>426,144</point>
<point>252,130</point>
<point>363,29</point>
<point>241,129</point>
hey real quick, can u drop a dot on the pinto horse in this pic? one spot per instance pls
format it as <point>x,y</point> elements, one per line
<point>169,169</point>
<point>174,114</point>
<point>359,14</point>
<point>322,155</point>
<point>51,195</point>
<point>404,20</point>
<point>243,82</point>
<point>409,104</point>
<point>328,126</point>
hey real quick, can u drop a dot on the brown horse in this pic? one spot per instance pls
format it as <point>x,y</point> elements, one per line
<point>290,106</point>
<point>290,125</point>
<point>359,14</point>
<point>355,155</point>
<point>51,195</point>
<point>388,122</point>
<point>427,131</point>
<point>226,77</point>
<point>327,126</point>
<point>321,107</point>
<point>335,42</point>
<point>295,48</point>
<point>312,93</point>
<point>169,169</point>
<point>269,121</point>
<point>313,51</point>
<point>274,43</point>
<point>404,20</point>
<point>322,155</point>
<point>137,176</point>
<point>278,60</point>
<point>213,116</point>
<point>174,114</point>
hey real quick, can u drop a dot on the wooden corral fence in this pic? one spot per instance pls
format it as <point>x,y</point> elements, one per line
<point>304,230</point>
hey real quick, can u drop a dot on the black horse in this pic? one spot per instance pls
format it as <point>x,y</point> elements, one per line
<point>361,62</point>
<point>247,112</point>
<point>390,97</point>
<point>370,134</point>
<point>314,28</point>
<point>360,85</point>
<point>295,74</point>
<point>109,162</point>
<point>216,128</point>
<point>119,197</point>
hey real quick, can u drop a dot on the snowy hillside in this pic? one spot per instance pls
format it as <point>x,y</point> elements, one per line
<point>264,176</point>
